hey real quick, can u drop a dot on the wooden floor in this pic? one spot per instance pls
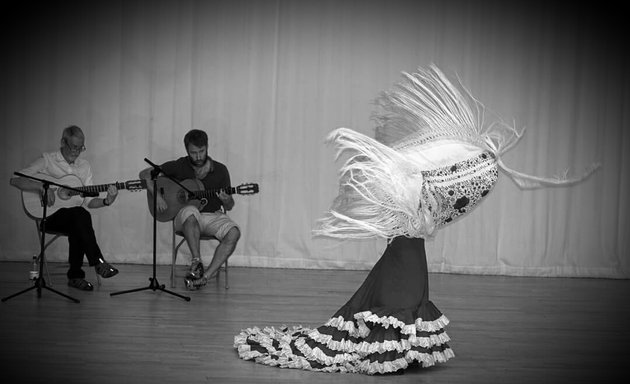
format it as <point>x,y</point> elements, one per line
<point>503,329</point>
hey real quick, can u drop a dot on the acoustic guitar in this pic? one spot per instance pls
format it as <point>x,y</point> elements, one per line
<point>177,197</point>
<point>66,198</point>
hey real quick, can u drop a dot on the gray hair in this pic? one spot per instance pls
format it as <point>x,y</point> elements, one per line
<point>71,131</point>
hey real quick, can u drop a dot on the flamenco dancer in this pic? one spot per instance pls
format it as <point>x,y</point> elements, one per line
<point>434,159</point>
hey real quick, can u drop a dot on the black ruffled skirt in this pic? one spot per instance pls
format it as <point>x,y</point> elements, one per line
<point>387,325</point>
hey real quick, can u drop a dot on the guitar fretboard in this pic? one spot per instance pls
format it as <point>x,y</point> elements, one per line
<point>98,188</point>
<point>212,192</point>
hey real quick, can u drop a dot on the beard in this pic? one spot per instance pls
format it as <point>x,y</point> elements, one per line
<point>198,163</point>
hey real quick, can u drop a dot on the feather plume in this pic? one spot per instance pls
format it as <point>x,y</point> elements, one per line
<point>426,106</point>
<point>380,192</point>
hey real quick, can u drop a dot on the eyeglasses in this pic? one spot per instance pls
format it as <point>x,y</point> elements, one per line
<point>74,148</point>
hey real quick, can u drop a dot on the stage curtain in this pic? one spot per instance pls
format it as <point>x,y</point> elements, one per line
<point>268,80</point>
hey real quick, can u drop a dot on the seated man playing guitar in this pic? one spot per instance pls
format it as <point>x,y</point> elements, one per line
<point>196,217</point>
<point>76,221</point>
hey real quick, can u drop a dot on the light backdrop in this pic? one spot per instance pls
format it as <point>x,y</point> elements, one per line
<point>269,79</point>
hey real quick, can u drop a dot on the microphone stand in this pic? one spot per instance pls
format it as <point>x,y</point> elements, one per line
<point>40,282</point>
<point>154,285</point>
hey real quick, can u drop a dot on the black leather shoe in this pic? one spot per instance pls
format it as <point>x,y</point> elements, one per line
<point>105,269</point>
<point>81,284</point>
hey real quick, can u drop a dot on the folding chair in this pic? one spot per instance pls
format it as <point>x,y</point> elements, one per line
<point>177,245</point>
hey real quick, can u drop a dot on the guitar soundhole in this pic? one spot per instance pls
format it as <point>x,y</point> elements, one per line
<point>64,194</point>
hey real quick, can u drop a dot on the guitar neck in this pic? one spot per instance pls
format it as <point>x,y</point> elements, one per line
<point>100,187</point>
<point>212,192</point>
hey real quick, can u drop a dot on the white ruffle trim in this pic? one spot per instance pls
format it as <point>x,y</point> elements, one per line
<point>426,359</point>
<point>366,348</point>
<point>284,357</point>
<point>318,355</point>
<point>351,354</point>
<point>386,321</point>
<point>349,364</point>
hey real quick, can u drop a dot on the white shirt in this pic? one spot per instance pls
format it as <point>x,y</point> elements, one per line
<point>55,165</point>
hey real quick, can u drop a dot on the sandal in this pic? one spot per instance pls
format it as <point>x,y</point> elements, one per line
<point>195,284</point>
<point>105,269</point>
<point>81,284</point>
<point>196,270</point>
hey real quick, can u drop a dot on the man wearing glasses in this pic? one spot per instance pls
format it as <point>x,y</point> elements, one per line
<point>76,221</point>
